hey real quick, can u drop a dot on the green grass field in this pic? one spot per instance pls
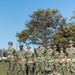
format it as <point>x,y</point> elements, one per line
<point>2,68</point>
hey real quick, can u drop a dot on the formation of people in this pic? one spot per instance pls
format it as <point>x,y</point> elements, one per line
<point>44,61</point>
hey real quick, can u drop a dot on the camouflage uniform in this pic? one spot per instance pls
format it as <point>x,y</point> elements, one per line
<point>48,60</point>
<point>55,73</point>
<point>55,58</point>
<point>21,68</point>
<point>40,60</point>
<point>29,58</point>
<point>70,59</point>
<point>10,60</point>
<point>62,59</point>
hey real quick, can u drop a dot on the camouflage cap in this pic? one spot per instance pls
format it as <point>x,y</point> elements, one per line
<point>39,42</point>
<point>28,47</point>
<point>70,42</point>
<point>21,45</point>
<point>61,48</point>
<point>10,43</point>
<point>54,46</point>
<point>48,44</point>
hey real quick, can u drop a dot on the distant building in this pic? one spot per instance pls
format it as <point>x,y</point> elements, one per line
<point>2,51</point>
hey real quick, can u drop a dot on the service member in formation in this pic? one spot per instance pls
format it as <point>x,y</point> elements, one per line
<point>40,59</point>
<point>48,60</point>
<point>21,63</point>
<point>29,58</point>
<point>10,53</point>
<point>62,60</point>
<point>70,52</point>
<point>55,58</point>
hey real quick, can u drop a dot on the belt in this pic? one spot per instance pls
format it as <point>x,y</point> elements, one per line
<point>69,59</point>
<point>55,59</point>
<point>23,59</point>
<point>10,56</point>
<point>49,60</point>
<point>30,61</point>
<point>40,57</point>
<point>73,59</point>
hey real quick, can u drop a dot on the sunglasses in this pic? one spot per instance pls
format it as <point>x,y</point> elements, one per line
<point>9,44</point>
<point>20,46</point>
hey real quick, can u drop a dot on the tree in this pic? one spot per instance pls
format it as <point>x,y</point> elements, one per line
<point>64,34</point>
<point>43,24</point>
<point>24,35</point>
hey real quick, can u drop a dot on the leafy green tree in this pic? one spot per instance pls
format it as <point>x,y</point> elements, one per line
<point>24,35</point>
<point>64,34</point>
<point>43,24</point>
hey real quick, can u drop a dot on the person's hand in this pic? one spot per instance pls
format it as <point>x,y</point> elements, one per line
<point>45,57</point>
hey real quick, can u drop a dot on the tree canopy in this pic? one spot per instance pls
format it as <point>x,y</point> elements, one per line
<point>47,26</point>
